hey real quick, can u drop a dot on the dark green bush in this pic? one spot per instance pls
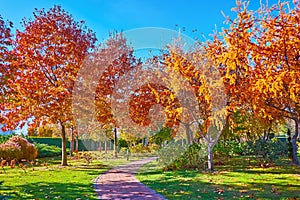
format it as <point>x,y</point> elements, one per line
<point>230,148</point>
<point>4,138</point>
<point>267,151</point>
<point>45,150</point>
<point>122,143</point>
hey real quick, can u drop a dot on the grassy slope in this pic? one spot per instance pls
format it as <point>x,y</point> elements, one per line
<point>55,182</point>
<point>233,181</point>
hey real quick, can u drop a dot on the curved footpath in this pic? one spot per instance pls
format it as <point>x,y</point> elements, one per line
<point>121,183</point>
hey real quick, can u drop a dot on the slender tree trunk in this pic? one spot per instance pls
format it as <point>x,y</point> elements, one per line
<point>93,145</point>
<point>115,143</point>
<point>63,145</point>
<point>265,137</point>
<point>100,146</point>
<point>105,145</point>
<point>210,158</point>
<point>76,143</point>
<point>294,143</point>
<point>72,141</point>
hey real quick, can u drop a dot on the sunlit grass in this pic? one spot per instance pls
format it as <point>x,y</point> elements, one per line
<point>54,181</point>
<point>229,182</point>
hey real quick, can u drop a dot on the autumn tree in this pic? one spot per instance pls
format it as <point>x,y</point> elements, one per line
<point>161,83</point>
<point>6,42</point>
<point>49,53</point>
<point>259,56</point>
<point>48,130</point>
<point>97,82</point>
<point>32,132</point>
<point>152,94</point>
<point>110,75</point>
<point>277,75</point>
<point>208,113</point>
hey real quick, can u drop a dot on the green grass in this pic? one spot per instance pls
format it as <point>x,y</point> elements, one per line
<point>235,180</point>
<point>53,181</point>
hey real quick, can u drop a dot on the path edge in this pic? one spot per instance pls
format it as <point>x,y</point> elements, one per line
<point>134,172</point>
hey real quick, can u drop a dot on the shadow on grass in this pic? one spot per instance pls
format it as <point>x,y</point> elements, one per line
<point>42,190</point>
<point>234,182</point>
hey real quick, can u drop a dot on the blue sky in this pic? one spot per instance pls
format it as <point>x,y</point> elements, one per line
<point>103,16</point>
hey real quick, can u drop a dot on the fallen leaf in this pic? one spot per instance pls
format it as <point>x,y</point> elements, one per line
<point>243,191</point>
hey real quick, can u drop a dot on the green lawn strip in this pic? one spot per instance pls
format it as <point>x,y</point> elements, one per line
<point>53,181</point>
<point>231,182</point>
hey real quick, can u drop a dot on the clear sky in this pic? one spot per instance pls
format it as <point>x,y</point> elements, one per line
<point>103,16</point>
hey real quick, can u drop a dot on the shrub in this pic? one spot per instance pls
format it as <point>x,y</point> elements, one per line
<point>9,151</point>
<point>45,150</point>
<point>193,157</point>
<point>4,138</point>
<point>230,148</point>
<point>267,152</point>
<point>123,151</point>
<point>170,153</point>
<point>153,147</point>
<point>122,143</point>
<point>17,148</point>
<point>139,148</point>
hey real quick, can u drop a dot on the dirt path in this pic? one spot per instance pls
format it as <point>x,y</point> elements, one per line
<point>121,183</point>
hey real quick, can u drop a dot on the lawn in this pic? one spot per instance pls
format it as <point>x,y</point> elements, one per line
<point>235,180</point>
<point>53,181</point>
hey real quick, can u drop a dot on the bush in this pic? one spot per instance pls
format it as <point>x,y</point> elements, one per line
<point>82,144</point>
<point>122,143</point>
<point>123,151</point>
<point>139,148</point>
<point>193,157</point>
<point>17,148</point>
<point>267,152</point>
<point>230,148</point>
<point>170,153</point>
<point>9,151</point>
<point>4,138</point>
<point>153,147</point>
<point>45,150</point>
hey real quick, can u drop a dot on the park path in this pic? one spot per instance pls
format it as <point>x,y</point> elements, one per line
<point>121,183</point>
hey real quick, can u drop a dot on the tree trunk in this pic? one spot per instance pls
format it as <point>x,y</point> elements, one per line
<point>294,143</point>
<point>210,158</point>
<point>100,146</point>
<point>76,143</point>
<point>105,145</point>
<point>63,145</point>
<point>188,134</point>
<point>72,141</point>
<point>115,143</point>
<point>92,145</point>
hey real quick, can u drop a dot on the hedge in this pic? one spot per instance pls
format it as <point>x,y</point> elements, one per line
<point>82,145</point>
